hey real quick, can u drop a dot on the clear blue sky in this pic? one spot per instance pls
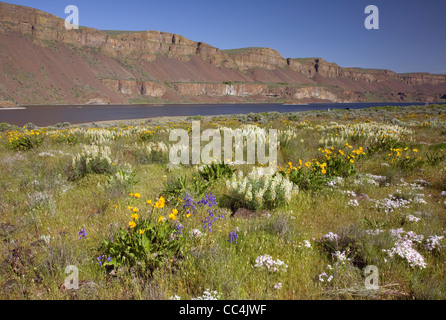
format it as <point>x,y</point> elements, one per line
<point>411,37</point>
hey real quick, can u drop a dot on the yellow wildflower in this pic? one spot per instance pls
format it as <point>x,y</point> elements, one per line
<point>188,215</point>
<point>132,224</point>
<point>172,216</point>
<point>142,231</point>
<point>135,216</point>
<point>160,219</point>
<point>175,211</point>
<point>160,203</point>
<point>149,202</point>
<point>137,195</point>
<point>135,210</point>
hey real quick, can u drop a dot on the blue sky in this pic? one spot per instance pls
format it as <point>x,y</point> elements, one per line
<point>411,37</point>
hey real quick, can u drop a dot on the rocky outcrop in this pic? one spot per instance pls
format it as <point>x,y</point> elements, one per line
<point>42,62</point>
<point>249,58</point>
<point>136,88</point>
<point>217,89</point>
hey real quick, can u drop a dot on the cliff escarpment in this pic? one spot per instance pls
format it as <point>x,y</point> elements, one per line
<point>44,63</point>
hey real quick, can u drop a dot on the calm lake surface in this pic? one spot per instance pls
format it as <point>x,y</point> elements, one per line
<point>76,114</point>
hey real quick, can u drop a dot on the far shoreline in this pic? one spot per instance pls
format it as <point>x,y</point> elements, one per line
<point>24,106</point>
<point>47,116</point>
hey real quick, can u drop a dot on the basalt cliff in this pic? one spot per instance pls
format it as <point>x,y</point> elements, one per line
<point>44,63</point>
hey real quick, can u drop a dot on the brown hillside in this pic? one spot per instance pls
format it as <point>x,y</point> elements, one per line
<point>43,63</point>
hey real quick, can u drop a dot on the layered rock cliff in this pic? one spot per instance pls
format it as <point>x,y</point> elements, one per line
<point>44,63</point>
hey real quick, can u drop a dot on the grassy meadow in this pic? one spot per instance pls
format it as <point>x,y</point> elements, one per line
<point>353,188</point>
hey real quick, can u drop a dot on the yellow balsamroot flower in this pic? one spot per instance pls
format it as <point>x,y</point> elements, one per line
<point>352,161</point>
<point>341,152</point>
<point>175,211</point>
<point>149,202</point>
<point>160,203</point>
<point>415,150</point>
<point>135,210</point>
<point>180,200</point>
<point>188,215</point>
<point>300,162</point>
<point>135,216</point>
<point>307,164</point>
<point>132,224</point>
<point>172,216</point>
<point>142,231</point>
<point>130,194</point>
<point>160,219</point>
<point>324,171</point>
<point>137,195</point>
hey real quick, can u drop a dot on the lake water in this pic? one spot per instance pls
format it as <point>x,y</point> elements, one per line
<point>76,114</point>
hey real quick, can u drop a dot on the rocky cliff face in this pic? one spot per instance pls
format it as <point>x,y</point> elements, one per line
<point>42,62</point>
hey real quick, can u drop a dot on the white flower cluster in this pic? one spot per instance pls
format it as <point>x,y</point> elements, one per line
<point>195,233</point>
<point>323,277</point>
<point>392,203</point>
<point>372,132</point>
<point>374,232</point>
<point>267,262</point>
<point>209,295</point>
<point>47,238</point>
<point>93,151</point>
<point>159,147</point>
<point>338,181</point>
<point>278,286</point>
<point>404,247</point>
<point>330,237</point>
<point>373,179</point>
<point>412,218</point>
<point>100,136</point>
<point>433,243</point>
<point>349,193</point>
<point>287,134</point>
<point>104,135</point>
<point>251,132</point>
<point>306,244</point>
<point>353,203</point>
<point>261,186</point>
<point>341,256</point>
